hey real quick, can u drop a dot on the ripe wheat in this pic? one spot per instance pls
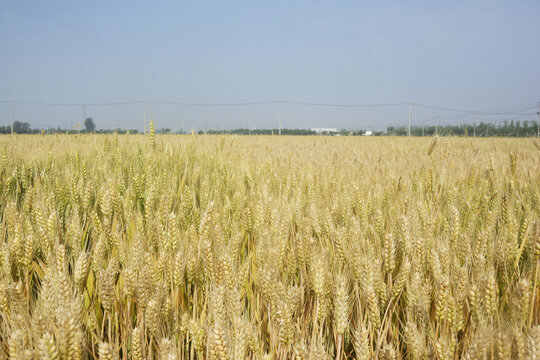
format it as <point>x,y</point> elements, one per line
<point>223,247</point>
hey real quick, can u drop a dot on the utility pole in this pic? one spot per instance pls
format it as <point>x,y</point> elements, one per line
<point>11,115</point>
<point>410,118</point>
<point>279,117</point>
<point>422,130</point>
<point>249,124</point>
<point>182,128</point>
<point>145,116</point>
<point>83,113</point>
<point>474,125</point>
<point>538,121</point>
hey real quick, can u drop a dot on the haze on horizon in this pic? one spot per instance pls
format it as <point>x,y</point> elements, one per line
<point>481,55</point>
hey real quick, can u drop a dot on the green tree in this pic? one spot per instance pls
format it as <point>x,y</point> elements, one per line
<point>89,124</point>
<point>21,127</point>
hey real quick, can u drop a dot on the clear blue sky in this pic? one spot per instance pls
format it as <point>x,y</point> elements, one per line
<point>468,54</point>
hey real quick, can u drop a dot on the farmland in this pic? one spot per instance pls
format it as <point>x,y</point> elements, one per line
<point>269,247</point>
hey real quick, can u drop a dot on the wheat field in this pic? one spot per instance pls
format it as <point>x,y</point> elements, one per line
<point>268,247</point>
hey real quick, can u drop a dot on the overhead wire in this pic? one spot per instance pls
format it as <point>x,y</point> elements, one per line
<point>513,110</point>
<point>519,112</point>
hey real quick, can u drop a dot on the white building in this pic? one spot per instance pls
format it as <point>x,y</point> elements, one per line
<point>368,133</point>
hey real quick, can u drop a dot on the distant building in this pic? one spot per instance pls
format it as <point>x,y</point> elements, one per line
<point>368,133</point>
<point>324,130</point>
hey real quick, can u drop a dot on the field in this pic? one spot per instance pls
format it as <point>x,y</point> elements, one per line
<point>268,247</point>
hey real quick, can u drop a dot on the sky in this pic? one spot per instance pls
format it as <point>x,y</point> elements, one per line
<point>472,55</point>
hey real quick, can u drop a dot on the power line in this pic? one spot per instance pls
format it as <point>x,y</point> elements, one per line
<point>498,112</point>
<point>174,103</point>
<point>177,103</point>
<point>77,104</point>
<point>517,112</point>
<point>343,105</point>
<point>510,111</point>
<point>274,102</point>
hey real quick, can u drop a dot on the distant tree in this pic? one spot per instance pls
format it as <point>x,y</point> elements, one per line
<point>89,124</point>
<point>21,127</point>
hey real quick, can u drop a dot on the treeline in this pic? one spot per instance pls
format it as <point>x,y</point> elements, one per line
<point>507,129</point>
<point>25,128</point>
<point>261,132</point>
<point>285,132</point>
